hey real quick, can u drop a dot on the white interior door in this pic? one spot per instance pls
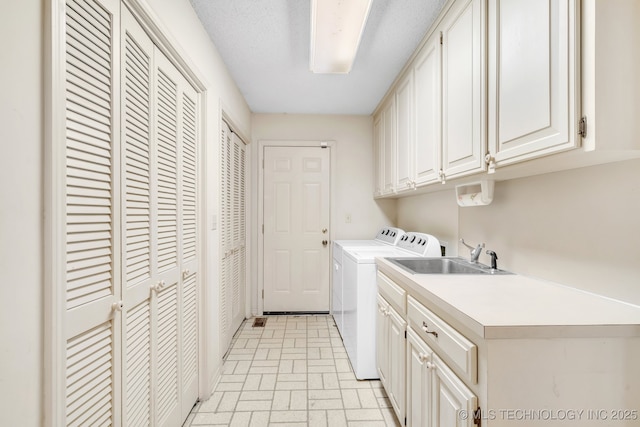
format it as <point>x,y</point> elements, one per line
<point>296,223</point>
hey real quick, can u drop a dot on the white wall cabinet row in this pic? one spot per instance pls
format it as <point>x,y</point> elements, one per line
<point>468,102</point>
<point>129,303</point>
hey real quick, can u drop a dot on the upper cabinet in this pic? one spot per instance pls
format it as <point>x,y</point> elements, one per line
<point>532,61</point>
<point>463,89</point>
<point>500,85</point>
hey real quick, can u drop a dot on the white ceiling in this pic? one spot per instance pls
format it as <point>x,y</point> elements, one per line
<point>265,44</point>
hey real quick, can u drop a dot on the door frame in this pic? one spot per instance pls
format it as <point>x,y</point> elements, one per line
<point>262,144</point>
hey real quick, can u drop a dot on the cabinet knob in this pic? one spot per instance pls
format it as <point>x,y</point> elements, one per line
<point>422,357</point>
<point>429,365</point>
<point>158,286</point>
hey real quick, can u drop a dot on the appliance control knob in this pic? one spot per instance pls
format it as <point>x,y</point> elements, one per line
<point>413,239</point>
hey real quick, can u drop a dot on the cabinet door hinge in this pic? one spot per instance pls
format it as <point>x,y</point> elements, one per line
<point>477,417</point>
<point>405,420</point>
<point>440,37</point>
<point>262,228</point>
<point>405,335</point>
<point>263,294</point>
<point>582,127</point>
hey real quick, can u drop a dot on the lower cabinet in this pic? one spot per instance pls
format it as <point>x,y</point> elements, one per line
<point>422,389</point>
<point>390,352</point>
<point>435,395</point>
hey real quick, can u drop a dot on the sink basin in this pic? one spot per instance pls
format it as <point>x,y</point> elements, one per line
<point>445,265</point>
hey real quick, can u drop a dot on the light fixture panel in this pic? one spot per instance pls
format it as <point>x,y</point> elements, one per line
<point>336,31</point>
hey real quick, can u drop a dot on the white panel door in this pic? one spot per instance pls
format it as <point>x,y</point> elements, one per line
<point>464,88</point>
<point>296,223</point>
<point>532,77</point>
<point>405,139</point>
<point>91,348</point>
<point>428,112</point>
<point>382,341</point>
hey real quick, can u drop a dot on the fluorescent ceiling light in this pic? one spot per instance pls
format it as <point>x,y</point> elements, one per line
<point>336,30</point>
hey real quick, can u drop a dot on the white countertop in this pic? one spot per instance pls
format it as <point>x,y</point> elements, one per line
<point>515,306</point>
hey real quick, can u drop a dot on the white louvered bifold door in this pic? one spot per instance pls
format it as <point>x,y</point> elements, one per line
<point>188,344</point>
<point>226,262</point>
<point>138,220</point>
<point>232,234</point>
<point>166,295</point>
<point>91,187</point>
<point>238,225</point>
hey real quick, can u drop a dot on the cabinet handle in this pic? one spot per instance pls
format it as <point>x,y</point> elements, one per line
<point>425,328</point>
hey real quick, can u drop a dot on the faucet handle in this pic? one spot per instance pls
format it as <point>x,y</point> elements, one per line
<point>494,259</point>
<point>468,246</point>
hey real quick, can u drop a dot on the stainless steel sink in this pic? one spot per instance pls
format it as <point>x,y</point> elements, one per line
<point>444,265</point>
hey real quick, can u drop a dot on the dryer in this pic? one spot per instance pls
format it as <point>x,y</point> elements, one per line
<point>359,296</point>
<point>386,237</point>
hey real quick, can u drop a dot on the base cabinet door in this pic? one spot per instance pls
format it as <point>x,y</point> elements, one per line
<point>397,351</point>
<point>435,397</point>
<point>418,381</point>
<point>382,340</point>
<point>450,398</point>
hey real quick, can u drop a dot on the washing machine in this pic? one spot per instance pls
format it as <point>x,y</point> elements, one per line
<point>359,296</point>
<point>386,237</point>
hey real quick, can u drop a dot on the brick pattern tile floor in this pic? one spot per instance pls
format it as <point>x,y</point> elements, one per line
<point>294,371</point>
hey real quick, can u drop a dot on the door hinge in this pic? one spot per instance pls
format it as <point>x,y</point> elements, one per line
<point>262,228</point>
<point>323,145</point>
<point>582,127</point>
<point>405,420</point>
<point>405,335</point>
<point>263,294</point>
<point>477,417</point>
<point>262,163</point>
<point>440,37</point>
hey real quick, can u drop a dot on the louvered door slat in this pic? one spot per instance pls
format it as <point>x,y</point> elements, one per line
<point>138,368</point>
<point>88,382</point>
<point>167,356</point>
<point>167,171</point>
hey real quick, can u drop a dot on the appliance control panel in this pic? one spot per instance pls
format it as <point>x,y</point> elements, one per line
<point>422,244</point>
<point>390,235</point>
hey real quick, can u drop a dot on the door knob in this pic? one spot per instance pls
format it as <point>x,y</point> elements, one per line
<point>324,242</point>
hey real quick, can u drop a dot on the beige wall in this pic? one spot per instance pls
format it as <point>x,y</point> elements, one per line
<point>22,194</point>
<point>21,213</point>
<point>352,173</point>
<point>579,227</point>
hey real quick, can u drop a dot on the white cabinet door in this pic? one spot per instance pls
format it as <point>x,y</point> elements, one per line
<point>382,340</point>
<point>464,89</point>
<point>419,373</point>
<point>450,396</point>
<point>378,154</point>
<point>389,158</point>
<point>396,362</point>
<point>428,112</point>
<point>405,134</point>
<point>533,106</point>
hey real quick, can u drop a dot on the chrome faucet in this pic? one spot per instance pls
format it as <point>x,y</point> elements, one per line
<point>475,252</point>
